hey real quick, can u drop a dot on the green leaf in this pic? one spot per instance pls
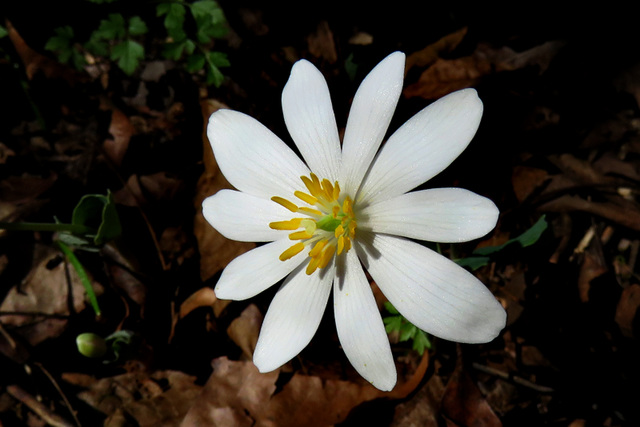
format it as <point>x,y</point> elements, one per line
<point>112,28</point>
<point>528,238</point>
<point>473,262</point>
<point>96,46</point>
<point>195,62</point>
<point>421,342</point>
<point>137,26</point>
<point>3,31</point>
<point>390,308</point>
<point>128,54</point>
<point>407,331</point>
<point>99,212</point>
<point>174,19</point>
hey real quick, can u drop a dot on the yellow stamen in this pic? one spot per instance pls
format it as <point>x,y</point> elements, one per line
<point>284,202</point>
<point>317,248</point>
<point>326,256</point>
<point>300,235</point>
<point>292,251</point>
<point>292,224</point>
<point>338,231</point>
<point>313,265</point>
<point>306,197</point>
<point>310,211</point>
<point>340,244</point>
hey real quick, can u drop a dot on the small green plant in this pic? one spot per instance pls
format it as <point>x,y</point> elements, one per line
<point>479,258</point>
<point>122,39</point>
<point>94,346</point>
<point>94,222</point>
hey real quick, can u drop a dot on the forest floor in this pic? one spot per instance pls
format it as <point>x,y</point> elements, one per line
<point>559,140</point>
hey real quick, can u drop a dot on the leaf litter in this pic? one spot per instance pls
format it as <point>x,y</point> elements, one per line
<point>559,140</point>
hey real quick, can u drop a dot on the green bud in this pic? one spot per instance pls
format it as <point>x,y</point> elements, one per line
<point>91,345</point>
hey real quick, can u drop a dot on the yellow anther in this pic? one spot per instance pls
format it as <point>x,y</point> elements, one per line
<point>326,256</point>
<point>306,197</point>
<point>328,188</point>
<point>335,211</point>
<point>340,245</point>
<point>292,224</point>
<point>310,211</point>
<point>313,265</point>
<point>300,235</point>
<point>338,231</point>
<point>317,248</point>
<point>336,190</point>
<point>292,251</point>
<point>347,244</point>
<point>284,202</point>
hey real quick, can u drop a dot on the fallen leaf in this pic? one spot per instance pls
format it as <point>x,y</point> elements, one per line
<point>627,309</point>
<point>463,404</point>
<point>162,398</point>
<point>204,297</point>
<point>321,43</point>
<point>430,54</point>
<point>44,294</point>
<point>448,75</point>
<point>244,330</point>
<point>525,180</point>
<point>216,251</point>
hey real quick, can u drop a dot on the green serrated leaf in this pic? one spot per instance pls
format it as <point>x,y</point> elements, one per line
<point>407,331</point>
<point>61,44</point>
<point>421,342</point>
<point>174,19</point>
<point>392,323</point>
<point>112,28</point>
<point>128,54</point>
<point>195,62</point>
<point>97,47</point>
<point>137,26</point>
<point>390,308</point>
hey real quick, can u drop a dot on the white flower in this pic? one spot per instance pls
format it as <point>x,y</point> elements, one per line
<point>346,207</point>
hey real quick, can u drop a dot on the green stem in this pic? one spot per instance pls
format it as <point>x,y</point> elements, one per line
<point>38,226</point>
<point>82,274</point>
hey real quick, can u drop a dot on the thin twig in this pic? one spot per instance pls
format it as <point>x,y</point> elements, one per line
<point>42,411</point>
<point>509,377</point>
<point>64,398</point>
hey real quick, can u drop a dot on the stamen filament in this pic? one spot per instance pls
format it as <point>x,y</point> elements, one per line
<point>284,202</point>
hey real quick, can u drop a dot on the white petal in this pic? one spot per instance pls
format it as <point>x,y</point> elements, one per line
<point>252,158</point>
<point>438,215</point>
<point>293,317</point>
<point>243,217</point>
<point>256,270</point>
<point>431,291</point>
<point>369,117</point>
<point>306,104</point>
<point>360,328</point>
<point>424,146</point>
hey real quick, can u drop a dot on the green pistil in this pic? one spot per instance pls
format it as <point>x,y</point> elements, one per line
<point>329,223</point>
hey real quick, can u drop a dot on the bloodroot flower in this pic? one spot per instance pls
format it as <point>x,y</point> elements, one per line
<point>347,208</point>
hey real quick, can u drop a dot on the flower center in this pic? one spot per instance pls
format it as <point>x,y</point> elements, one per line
<point>328,228</point>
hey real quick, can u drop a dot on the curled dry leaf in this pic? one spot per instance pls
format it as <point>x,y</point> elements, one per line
<point>204,297</point>
<point>216,251</point>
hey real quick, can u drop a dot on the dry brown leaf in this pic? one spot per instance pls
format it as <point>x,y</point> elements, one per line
<point>592,266</point>
<point>321,43</point>
<point>627,309</point>
<point>244,330</point>
<point>204,297</point>
<point>121,131</point>
<point>464,405</point>
<point>216,251</point>
<point>423,408</point>
<point>447,75</point>
<point>525,180</point>
<point>238,394</point>
<point>162,398</point>
<point>430,54</point>
<point>45,291</point>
